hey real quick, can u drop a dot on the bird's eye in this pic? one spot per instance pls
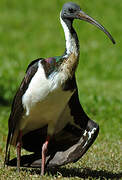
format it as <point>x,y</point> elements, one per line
<point>71,10</point>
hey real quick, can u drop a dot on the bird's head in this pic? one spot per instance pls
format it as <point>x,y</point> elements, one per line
<point>71,11</point>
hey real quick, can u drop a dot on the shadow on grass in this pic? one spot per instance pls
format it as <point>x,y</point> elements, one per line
<point>87,172</point>
<point>81,173</point>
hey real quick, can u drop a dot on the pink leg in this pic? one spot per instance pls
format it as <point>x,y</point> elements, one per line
<point>44,151</point>
<point>19,143</point>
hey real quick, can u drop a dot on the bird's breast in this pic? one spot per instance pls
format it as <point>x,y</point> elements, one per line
<point>44,100</point>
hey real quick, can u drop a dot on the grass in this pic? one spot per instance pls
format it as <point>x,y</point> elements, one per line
<point>31,29</point>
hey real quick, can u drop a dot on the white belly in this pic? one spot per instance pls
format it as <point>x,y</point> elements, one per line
<point>46,112</point>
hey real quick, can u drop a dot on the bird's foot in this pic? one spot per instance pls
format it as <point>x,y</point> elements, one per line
<point>19,151</point>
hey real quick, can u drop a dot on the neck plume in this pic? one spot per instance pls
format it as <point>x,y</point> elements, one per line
<point>72,43</point>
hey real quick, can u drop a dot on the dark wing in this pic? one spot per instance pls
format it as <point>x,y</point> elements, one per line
<point>17,108</point>
<point>68,145</point>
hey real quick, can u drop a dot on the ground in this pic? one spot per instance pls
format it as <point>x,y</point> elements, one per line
<point>31,29</point>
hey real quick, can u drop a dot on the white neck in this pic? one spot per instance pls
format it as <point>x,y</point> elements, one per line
<point>71,46</point>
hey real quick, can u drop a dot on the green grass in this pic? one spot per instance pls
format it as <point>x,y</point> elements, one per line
<point>31,29</point>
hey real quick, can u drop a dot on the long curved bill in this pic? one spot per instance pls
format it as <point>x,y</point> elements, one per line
<point>82,16</point>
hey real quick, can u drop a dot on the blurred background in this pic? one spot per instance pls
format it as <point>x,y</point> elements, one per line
<point>31,29</point>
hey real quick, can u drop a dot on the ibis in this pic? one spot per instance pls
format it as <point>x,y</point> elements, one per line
<point>48,96</point>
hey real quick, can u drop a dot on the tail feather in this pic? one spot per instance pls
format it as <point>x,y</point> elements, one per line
<point>11,140</point>
<point>7,153</point>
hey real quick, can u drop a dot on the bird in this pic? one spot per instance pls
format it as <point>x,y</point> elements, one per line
<point>47,87</point>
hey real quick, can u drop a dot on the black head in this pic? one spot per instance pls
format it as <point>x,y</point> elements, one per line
<point>71,11</point>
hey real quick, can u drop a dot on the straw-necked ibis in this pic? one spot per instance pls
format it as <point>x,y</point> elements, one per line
<point>47,91</point>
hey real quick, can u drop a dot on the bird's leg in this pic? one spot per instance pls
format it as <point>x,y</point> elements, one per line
<point>44,151</point>
<point>19,143</point>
